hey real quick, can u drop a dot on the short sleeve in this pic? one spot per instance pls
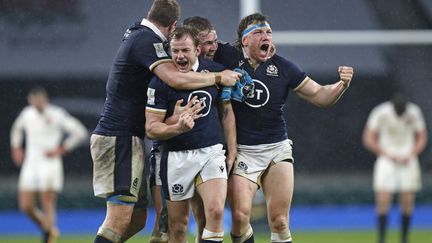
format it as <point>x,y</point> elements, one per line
<point>150,51</point>
<point>157,96</point>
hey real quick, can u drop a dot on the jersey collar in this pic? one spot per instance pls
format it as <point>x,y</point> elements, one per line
<point>196,65</point>
<point>153,27</point>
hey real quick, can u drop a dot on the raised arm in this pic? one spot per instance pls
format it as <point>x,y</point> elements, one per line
<point>193,80</point>
<point>326,95</point>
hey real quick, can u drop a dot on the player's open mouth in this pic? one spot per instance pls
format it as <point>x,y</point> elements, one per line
<point>265,47</point>
<point>182,63</point>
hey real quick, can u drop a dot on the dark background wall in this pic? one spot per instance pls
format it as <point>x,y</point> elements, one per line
<point>68,46</point>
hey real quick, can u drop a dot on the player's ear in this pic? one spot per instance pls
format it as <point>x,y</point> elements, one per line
<point>172,26</point>
<point>198,50</point>
<point>245,41</point>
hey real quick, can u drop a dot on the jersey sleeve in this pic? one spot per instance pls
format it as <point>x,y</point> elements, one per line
<point>150,51</point>
<point>373,119</point>
<point>157,96</point>
<point>77,132</point>
<point>419,121</point>
<point>17,131</point>
<point>293,73</point>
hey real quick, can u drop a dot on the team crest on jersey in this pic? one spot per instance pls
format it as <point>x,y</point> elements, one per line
<point>177,189</point>
<point>242,166</point>
<point>241,62</point>
<point>261,95</point>
<point>272,70</point>
<point>206,99</point>
<point>160,51</point>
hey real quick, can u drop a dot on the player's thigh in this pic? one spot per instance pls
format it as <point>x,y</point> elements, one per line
<point>26,199</point>
<point>241,192</point>
<point>178,213</point>
<point>213,193</point>
<point>278,186</point>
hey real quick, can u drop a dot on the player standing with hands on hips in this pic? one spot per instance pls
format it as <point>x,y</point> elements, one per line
<point>396,133</point>
<point>44,126</point>
<point>264,150</point>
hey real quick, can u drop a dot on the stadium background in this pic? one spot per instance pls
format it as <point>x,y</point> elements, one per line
<point>68,46</point>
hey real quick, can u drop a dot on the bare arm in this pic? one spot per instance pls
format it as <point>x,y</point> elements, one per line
<point>421,141</point>
<point>326,95</point>
<point>230,132</point>
<point>16,140</point>
<point>168,73</point>
<point>370,141</point>
<point>157,129</point>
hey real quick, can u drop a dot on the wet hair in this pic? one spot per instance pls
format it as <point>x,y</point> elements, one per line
<point>184,31</point>
<point>199,23</point>
<point>245,22</point>
<point>399,103</point>
<point>37,90</point>
<point>164,12</point>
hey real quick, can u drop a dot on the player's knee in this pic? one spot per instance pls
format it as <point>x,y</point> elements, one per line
<point>279,223</point>
<point>26,208</point>
<point>240,217</point>
<point>179,228</point>
<point>216,212</point>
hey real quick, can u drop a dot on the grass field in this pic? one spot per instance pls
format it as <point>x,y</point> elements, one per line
<point>417,236</point>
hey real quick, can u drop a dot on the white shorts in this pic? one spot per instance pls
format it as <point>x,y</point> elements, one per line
<point>41,176</point>
<point>182,171</point>
<point>391,177</point>
<point>253,160</point>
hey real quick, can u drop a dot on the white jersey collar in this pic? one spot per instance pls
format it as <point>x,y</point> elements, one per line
<point>196,65</point>
<point>153,27</point>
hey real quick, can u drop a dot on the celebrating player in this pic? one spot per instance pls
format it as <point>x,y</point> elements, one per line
<point>193,159</point>
<point>396,133</point>
<point>264,151</point>
<point>119,176</point>
<point>44,126</point>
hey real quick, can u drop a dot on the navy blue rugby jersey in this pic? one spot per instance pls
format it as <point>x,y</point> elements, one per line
<point>227,55</point>
<point>207,130</point>
<point>260,120</point>
<point>142,48</point>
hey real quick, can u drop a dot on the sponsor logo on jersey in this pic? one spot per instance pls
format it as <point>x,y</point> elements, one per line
<point>261,95</point>
<point>242,166</point>
<point>160,52</point>
<point>206,99</point>
<point>272,70</point>
<point>177,189</point>
<point>150,96</point>
<point>221,168</point>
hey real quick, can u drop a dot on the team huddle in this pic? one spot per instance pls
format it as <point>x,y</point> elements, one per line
<point>215,113</point>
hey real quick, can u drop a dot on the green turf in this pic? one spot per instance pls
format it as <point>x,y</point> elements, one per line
<point>417,236</point>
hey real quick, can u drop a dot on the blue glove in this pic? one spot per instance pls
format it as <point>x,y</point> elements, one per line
<point>244,87</point>
<point>226,93</point>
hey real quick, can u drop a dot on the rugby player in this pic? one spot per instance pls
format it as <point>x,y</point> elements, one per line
<point>396,133</point>
<point>264,151</point>
<point>41,175</point>
<point>117,146</point>
<point>193,160</point>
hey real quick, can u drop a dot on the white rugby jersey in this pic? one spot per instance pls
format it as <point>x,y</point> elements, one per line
<point>44,131</point>
<point>396,134</point>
